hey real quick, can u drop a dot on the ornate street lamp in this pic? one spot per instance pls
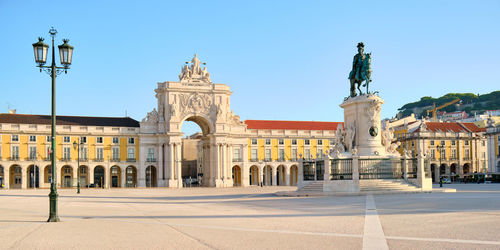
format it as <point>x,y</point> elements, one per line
<point>77,147</point>
<point>66,52</point>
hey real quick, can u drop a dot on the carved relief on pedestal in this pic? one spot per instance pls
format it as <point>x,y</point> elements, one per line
<point>373,114</point>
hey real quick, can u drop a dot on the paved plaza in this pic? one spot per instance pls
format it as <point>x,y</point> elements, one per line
<point>251,218</point>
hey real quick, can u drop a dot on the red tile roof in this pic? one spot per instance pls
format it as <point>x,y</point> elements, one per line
<point>292,125</point>
<point>69,120</point>
<point>473,127</point>
<point>456,127</point>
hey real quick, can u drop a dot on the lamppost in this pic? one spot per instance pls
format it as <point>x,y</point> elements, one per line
<point>65,52</point>
<point>77,147</point>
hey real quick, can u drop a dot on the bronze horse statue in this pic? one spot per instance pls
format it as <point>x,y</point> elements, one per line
<point>361,71</point>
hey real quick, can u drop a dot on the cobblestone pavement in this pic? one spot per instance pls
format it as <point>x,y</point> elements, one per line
<point>251,218</point>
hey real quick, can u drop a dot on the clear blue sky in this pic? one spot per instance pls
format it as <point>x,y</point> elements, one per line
<point>284,60</point>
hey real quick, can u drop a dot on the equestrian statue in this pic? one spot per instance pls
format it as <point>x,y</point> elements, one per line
<point>361,71</point>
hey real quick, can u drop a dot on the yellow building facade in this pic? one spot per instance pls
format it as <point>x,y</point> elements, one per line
<point>454,149</point>
<point>108,151</point>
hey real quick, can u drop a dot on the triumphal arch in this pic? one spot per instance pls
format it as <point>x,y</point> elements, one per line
<point>193,98</point>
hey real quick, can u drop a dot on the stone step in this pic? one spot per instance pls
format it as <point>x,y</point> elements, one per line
<point>386,185</point>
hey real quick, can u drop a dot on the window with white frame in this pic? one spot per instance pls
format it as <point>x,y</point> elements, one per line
<point>453,142</point>
<point>466,154</point>
<point>268,141</point>
<point>466,143</point>
<point>307,153</point>
<point>268,154</point>
<point>254,141</point>
<point>254,154</point>
<point>83,153</point>
<point>14,138</point>
<point>319,152</point>
<point>66,153</point>
<point>32,138</point>
<point>236,154</point>
<point>443,154</point>
<point>131,140</point>
<point>130,153</point>
<point>442,142</point>
<point>151,154</point>
<point>32,152</point>
<point>332,142</point>
<point>483,143</point>
<point>66,139</point>
<point>320,142</point>
<point>453,153</point>
<point>47,138</point>
<point>98,139</point>
<point>294,154</point>
<point>433,154</point>
<point>115,140</point>
<point>15,152</point>
<point>83,139</point>
<point>115,153</point>
<point>432,143</point>
<point>281,141</point>
<point>99,154</point>
<point>281,154</point>
<point>294,141</point>
<point>307,142</point>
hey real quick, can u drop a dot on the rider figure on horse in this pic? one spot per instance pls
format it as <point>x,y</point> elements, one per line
<point>360,70</point>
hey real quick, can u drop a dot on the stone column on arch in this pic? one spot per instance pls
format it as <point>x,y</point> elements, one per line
<point>274,171</point>
<point>75,176</point>
<point>287,175</point>
<point>261,175</point>
<point>178,163</point>
<point>160,163</point>
<point>24,177</point>
<point>123,176</point>
<point>90,173</point>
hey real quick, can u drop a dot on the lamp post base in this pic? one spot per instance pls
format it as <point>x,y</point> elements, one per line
<point>53,216</point>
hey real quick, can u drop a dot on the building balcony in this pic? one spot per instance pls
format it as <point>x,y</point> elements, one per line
<point>268,159</point>
<point>65,159</point>
<point>254,160</point>
<point>14,158</point>
<point>150,160</point>
<point>237,160</point>
<point>46,159</point>
<point>32,158</point>
<point>281,159</point>
<point>294,159</point>
<point>98,160</point>
<point>131,160</point>
<point>115,159</point>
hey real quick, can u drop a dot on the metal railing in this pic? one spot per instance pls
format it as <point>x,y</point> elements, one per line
<point>308,170</point>
<point>151,160</point>
<point>320,170</point>
<point>130,159</point>
<point>237,160</point>
<point>14,158</point>
<point>412,169</point>
<point>115,159</point>
<point>341,169</point>
<point>98,159</point>
<point>66,159</point>
<point>380,169</point>
<point>254,160</point>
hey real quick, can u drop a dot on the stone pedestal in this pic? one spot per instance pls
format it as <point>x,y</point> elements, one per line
<point>362,113</point>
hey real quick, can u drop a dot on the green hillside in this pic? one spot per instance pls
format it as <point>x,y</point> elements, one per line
<point>470,103</point>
